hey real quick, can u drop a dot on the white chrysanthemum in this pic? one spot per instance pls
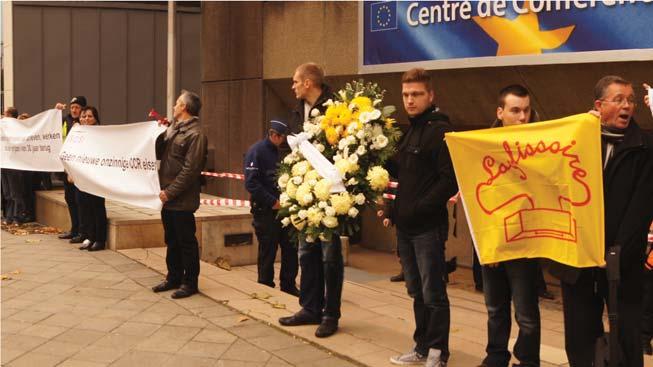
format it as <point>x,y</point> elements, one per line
<point>330,221</point>
<point>353,159</point>
<point>322,204</point>
<point>283,180</point>
<point>302,214</point>
<point>284,200</point>
<point>315,112</point>
<point>359,199</point>
<point>329,211</point>
<point>352,212</point>
<point>377,130</point>
<point>320,148</point>
<point>285,222</point>
<point>337,157</point>
<point>309,239</point>
<point>352,182</point>
<point>342,144</point>
<point>361,150</point>
<point>360,134</point>
<point>380,141</point>
<point>297,180</point>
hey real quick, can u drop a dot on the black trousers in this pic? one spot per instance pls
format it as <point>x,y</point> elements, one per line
<point>422,258</point>
<point>583,310</point>
<point>512,281</point>
<point>182,256</point>
<point>323,270</point>
<point>16,190</point>
<point>92,217</point>
<point>271,235</point>
<point>70,194</point>
<point>647,304</point>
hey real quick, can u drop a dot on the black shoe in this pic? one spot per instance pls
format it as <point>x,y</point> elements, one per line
<point>77,239</point>
<point>397,278</point>
<point>184,291</point>
<point>302,317</point>
<point>546,295</point>
<point>97,246</point>
<point>66,235</point>
<point>452,265</point>
<point>165,286</point>
<point>327,327</point>
<point>292,291</point>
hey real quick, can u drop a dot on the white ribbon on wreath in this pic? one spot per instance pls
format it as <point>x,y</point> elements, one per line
<point>322,165</point>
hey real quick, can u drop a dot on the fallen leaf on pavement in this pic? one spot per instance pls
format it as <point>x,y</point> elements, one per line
<point>279,305</point>
<point>243,319</point>
<point>5,277</point>
<point>223,263</point>
<point>260,296</point>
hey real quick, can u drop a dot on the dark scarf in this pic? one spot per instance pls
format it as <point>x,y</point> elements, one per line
<point>610,138</point>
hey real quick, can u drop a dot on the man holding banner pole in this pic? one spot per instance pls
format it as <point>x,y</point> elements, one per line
<point>182,149</point>
<point>70,191</point>
<point>627,156</point>
<point>512,280</point>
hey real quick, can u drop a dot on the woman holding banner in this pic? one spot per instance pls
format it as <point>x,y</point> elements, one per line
<point>93,213</point>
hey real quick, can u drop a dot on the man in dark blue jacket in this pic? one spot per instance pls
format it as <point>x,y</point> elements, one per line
<point>261,163</point>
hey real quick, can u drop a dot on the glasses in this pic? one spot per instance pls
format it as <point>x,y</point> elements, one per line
<point>621,100</point>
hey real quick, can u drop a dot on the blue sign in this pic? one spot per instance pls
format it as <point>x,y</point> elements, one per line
<point>453,34</point>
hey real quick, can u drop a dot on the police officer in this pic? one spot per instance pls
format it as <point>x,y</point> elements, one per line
<point>260,180</point>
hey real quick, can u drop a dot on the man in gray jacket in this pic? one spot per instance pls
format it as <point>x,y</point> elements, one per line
<point>182,149</point>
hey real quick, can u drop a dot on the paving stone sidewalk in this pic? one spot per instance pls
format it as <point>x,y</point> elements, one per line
<point>65,307</point>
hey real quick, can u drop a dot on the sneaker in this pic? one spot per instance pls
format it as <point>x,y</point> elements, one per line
<point>433,359</point>
<point>410,358</point>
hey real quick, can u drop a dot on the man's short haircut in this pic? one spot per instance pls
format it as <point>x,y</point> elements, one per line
<point>312,71</point>
<point>603,84</point>
<point>11,112</point>
<point>418,75</point>
<point>514,89</point>
<point>192,102</point>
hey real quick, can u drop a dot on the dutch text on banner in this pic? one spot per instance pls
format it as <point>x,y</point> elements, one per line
<point>32,144</point>
<point>116,162</point>
<point>533,190</point>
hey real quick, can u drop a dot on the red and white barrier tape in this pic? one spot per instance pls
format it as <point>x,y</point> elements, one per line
<point>236,176</point>
<point>453,199</point>
<point>393,184</point>
<point>226,202</point>
<point>650,237</point>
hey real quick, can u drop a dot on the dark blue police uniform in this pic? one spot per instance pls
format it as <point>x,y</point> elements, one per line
<point>261,163</point>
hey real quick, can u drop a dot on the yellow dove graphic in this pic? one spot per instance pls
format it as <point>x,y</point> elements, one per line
<point>522,35</point>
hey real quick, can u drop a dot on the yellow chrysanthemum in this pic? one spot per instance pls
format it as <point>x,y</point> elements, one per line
<point>314,217</point>
<point>341,202</point>
<point>300,168</point>
<point>311,175</point>
<point>362,102</point>
<point>303,195</point>
<point>378,178</point>
<point>291,189</point>
<point>332,135</point>
<point>389,122</point>
<point>338,114</point>
<point>322,189</point>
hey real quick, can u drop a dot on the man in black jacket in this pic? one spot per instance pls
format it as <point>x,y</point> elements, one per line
<point>182,149</point>
<point>426,182</point>
<point>70,190</point>
<point>627,154</point>
<point>320,284</point>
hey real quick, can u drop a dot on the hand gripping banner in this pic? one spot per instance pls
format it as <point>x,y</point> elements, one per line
<point>533,190</point>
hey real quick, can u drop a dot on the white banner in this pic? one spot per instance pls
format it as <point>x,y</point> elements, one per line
<point>117,162</point>
<point>32,144</point>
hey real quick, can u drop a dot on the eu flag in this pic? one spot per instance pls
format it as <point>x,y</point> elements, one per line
<point>383,16</point>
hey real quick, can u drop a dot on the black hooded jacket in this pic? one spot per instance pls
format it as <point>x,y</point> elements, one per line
<point>425,174</point>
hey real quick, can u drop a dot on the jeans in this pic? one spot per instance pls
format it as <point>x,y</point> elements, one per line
<point>320,285</point>
<point>583,314</point>
<point>270,236</point>
<point>422,258</point>
<point>182,255</point>
<point>514,280</point>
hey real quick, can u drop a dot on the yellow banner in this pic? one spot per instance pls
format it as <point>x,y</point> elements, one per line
<point>533,190</point>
